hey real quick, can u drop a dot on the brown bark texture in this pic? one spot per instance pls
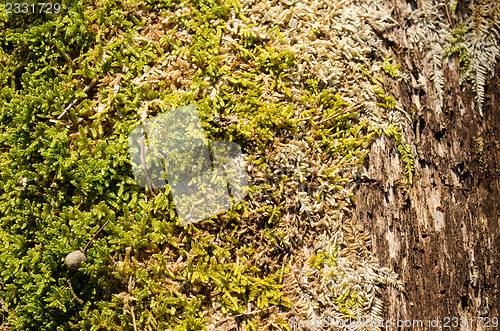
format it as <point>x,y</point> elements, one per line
<point>440,234</point>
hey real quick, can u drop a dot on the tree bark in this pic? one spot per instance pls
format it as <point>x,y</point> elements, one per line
<point>442,235</point>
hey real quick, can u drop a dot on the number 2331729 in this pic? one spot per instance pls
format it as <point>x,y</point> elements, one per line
<point>32,8</point>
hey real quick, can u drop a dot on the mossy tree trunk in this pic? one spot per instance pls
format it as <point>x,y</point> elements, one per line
<point>441,234</point>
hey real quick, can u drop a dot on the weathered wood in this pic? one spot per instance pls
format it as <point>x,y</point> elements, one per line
<point>443,240</point>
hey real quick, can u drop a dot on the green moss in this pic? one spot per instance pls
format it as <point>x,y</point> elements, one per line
<point>374,80</point>
<point>329,258</point>
<point>392,70</point>
<point>385,101</point>
<point>62,178</point>
<point>404,151</point>
<point>348,301</point>
<point>456,44</point>
<point>76,175</point>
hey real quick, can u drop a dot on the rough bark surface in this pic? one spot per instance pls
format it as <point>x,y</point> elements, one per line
<point>441,235</point>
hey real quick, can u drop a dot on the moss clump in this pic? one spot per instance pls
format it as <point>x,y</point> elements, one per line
<point>385,101</point>
<point>393,71</point>
<point>73,87</point>
<point>404,151</point>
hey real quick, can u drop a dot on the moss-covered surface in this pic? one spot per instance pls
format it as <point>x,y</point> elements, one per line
<point>63,175</point>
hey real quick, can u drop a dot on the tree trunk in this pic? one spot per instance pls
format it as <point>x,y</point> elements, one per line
<point>441,235</point>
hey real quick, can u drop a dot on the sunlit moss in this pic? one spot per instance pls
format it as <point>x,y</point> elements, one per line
<point>64,177</point>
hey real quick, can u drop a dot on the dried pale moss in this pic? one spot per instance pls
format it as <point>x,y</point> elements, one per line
<point>476,41</point>
<point>317,162</point>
